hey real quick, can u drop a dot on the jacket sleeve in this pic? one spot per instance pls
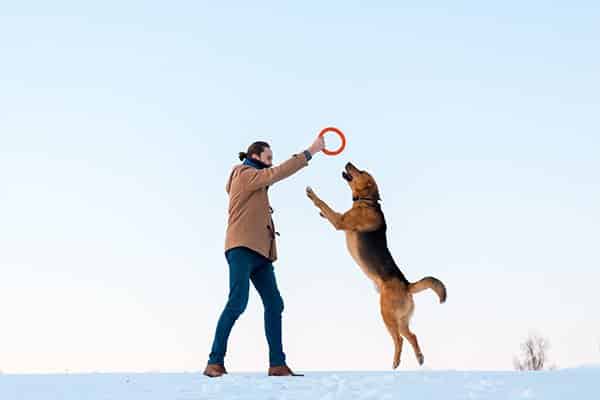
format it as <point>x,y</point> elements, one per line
<point>258,178</point>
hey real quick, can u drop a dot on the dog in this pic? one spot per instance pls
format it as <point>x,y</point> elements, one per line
<point>365,228</point>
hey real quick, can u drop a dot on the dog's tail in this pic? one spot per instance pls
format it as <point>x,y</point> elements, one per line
<point>429,283</point>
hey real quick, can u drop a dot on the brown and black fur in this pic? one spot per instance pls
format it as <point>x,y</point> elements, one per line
<point>365,229</point>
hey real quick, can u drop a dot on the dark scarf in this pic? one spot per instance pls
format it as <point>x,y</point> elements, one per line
<point>255,163</point>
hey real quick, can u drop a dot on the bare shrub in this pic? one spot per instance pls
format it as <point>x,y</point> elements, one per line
<point>534,354</point>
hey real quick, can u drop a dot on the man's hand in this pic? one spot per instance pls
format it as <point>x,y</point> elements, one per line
<point>317,146</point>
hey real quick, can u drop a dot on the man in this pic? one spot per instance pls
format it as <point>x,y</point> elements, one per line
<point>250,250</point>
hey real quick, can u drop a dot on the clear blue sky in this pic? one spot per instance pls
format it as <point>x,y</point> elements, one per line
<point>120,121</point>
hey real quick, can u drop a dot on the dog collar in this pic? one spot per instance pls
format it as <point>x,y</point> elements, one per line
<point>364,199</point>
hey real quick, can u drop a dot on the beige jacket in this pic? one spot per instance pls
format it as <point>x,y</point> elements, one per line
<point>250,223</point>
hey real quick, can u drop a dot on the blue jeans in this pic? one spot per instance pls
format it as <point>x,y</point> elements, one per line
<point>246,265</point>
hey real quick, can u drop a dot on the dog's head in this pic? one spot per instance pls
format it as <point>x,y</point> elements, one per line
<point>361,182</point>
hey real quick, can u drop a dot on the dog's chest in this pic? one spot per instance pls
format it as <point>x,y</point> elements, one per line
<point>354,247</point>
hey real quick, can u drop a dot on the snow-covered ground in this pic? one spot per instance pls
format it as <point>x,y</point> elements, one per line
<point>575,384</point>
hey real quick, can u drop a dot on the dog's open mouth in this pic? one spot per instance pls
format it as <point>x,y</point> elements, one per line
<point>347,173</point>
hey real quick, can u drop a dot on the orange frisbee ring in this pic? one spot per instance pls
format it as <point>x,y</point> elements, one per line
<point>342,138</point>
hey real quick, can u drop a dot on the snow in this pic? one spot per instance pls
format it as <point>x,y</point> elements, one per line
<point>577,384</point>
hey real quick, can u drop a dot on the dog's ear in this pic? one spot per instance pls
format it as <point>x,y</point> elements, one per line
<point>374,189</point>
<point>370,184</point>
<point>377,195</point>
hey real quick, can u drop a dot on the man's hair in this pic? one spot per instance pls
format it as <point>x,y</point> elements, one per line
<point>255,148</point>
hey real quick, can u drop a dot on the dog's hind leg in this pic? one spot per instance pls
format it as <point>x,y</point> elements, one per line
<point>412,339</point>
<point>389,318</point>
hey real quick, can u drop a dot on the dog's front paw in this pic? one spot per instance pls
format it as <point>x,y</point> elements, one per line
<point>311,195</point>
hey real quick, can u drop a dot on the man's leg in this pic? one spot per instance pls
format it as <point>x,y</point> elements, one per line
<point>240,264</point>
<point>264,281</point>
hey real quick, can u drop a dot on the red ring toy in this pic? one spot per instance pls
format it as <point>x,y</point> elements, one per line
<point>340,134</point>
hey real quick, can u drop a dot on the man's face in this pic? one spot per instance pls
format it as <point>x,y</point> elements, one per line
<point>266,157</point>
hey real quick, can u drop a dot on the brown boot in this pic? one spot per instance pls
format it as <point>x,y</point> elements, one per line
<point>282,370</point>
<point>214,370</point>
